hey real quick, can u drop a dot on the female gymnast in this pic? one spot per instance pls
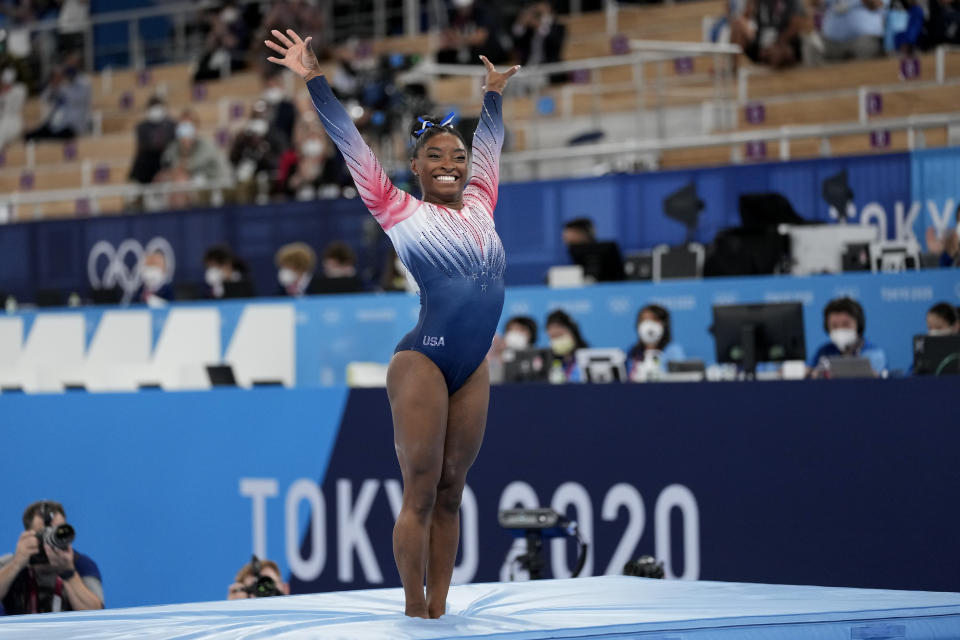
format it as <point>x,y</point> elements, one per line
<point>437,382</point>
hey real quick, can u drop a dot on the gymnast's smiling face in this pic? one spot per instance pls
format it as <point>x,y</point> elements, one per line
<point>441,166</point>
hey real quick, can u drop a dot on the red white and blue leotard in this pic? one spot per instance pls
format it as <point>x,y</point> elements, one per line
<point>455,255</point>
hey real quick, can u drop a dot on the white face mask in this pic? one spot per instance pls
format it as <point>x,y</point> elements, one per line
<point>153,277</point>
<point>312,148</point>
<point>229,14</point>
<point>563,345</point>
<point>516,340</point>
<point>156,113</point>
<point>186,130</point>
<point>843,338</point>
<point>8,76</point>
<point>940,332</point>
<point>258,126</point>
<point>273,95</point>
<point>286,277</point>
<point>213,276</point>
<point>650,332</point>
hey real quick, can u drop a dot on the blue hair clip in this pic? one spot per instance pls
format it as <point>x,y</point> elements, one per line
<point>426,124</point>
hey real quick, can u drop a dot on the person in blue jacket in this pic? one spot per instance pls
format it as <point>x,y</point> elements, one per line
<point>845,323</point>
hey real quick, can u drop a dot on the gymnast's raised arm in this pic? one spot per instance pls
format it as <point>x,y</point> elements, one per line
<point>386,202</point>
<point>488,140</point>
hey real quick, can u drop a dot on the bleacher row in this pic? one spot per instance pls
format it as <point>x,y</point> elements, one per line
<point>800,96</point>
<point>122,356</point>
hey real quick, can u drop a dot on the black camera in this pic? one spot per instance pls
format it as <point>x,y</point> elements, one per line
<point>58,537</point>
<point>265,586</point>
<point>644,567</point>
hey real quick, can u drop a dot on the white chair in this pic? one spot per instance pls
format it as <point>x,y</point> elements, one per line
<point>53,353</point>
<point>119,351</point>
<point>189,341</point>
<point>11,345</point>
<point>263,347</point>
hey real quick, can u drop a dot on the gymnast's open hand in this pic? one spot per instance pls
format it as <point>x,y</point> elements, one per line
<point>496,81</point>
<point>297,54</point>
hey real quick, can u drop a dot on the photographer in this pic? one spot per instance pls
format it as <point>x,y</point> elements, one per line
<point>258,579</point>
<point>45,574</point>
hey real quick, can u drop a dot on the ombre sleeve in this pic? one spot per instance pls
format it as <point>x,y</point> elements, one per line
<point>388,204</point>
<point>487,142</point>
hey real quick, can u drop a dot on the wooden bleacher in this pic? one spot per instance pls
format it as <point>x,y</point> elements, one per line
<point>786,94</point>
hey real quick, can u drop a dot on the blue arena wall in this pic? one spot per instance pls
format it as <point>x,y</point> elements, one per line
<point>843,483</point>
<point>902,193</point>
<point>332,331</point>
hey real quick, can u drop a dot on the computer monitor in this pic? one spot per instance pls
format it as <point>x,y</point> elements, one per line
<point>238,289</point>
<point>601,366</point>
<point>936,355</point>
<point>746,334</point>
<point>113,295</point>
<point>527,365</point>
<point>221,375</point>
<point>600,260</point>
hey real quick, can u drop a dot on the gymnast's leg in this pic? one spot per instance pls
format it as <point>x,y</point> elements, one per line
<point>466,421</point>
<point>418,401</point>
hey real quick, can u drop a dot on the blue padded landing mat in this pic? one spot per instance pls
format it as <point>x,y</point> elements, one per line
<point>604,607</point>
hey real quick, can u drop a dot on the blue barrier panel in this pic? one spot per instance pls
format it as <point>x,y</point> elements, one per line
<point>894,191</point>
<point>835,483</point>
<point>332,331</point>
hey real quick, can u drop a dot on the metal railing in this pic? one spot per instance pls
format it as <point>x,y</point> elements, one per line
<point>913,125</point>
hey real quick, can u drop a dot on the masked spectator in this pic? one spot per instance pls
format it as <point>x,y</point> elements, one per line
<point>565,340</point>
<point>579,231</point>
<point>306,171</point>
<point>845,323</point>
<point>221,267</point>
<point>12,96</point>
<point>40,577</point>
<point>227,43</point>
<point>295,265</point>
<point>654,346</point>
<point>520,333</point>
<point>281,111</point>
<point>192,158</point>
<point>943,320</point>
<point>256,152</point>
<point>156,290</point>
<point>154,134</point>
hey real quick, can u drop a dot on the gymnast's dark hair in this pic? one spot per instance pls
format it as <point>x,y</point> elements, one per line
<point>421,133</point>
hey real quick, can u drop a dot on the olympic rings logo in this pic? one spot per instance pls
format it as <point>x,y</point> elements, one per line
<point>120,272</point>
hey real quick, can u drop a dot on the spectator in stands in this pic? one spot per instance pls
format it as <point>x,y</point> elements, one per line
<point>772,31</point>
<point>845,323</point>
<point>538,37</point>
<point>473,30</point>
<point>227,44</point>
<point>946,244</point>
<point>305,171</point>
<point>192,158</point>
<point>251,575</point>
<point>221,266</point>
<point>12,96</point>
<point>654,347</point>
<point>579,231</point>
<point>255,153</point>
<point>519,333</point>
<point>281,112</point>
<point>905,26</point>
<point>156,290</point>
<point>154,134</point>
<point>943,320</point>
<point>853,29</point>
<point>565,340</point>
<point>295,263</point>
<point>29,584</point>
<point>339,270</point>
<point>68,95</point>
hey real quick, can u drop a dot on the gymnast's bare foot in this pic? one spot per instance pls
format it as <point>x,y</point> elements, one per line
<point>417,611</point>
